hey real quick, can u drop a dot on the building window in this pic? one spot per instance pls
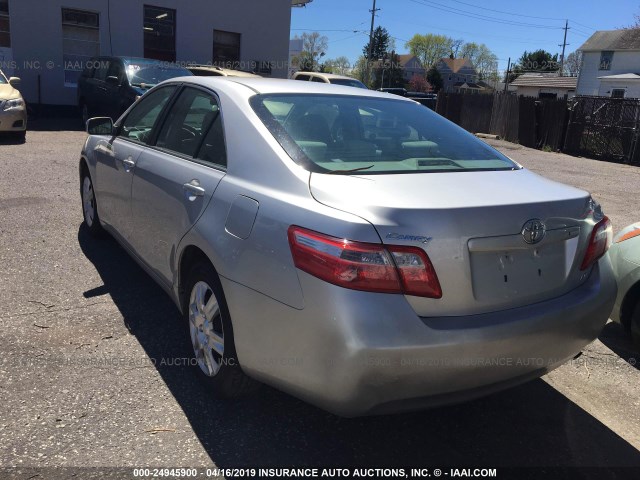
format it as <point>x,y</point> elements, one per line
<point>160,33</point>
<point>5,31</point>
<point>226,49</point>
<point>606,58</point>
<point>617,93</point>
<point>80,42</point>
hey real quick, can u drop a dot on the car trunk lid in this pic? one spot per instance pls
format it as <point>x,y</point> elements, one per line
<point>470,224</point>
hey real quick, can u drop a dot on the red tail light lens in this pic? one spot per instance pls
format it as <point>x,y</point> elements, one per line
<point>599,243</point>
<point>364,266</point>
<point>417,274</point>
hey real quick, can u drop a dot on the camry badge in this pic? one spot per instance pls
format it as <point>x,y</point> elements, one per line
<point>534,231</point>
<point>411,238</point>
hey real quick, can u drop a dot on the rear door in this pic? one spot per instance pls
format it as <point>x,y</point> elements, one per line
<point>175,179</point>
<point>116,160</point>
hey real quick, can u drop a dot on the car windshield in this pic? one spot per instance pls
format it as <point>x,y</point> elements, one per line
<point>150,74</point>
<point>365,135</point>
<point>348,82</point>
<point>3,78</point>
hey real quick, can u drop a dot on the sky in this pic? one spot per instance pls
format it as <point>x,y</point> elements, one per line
<point>508,28</point>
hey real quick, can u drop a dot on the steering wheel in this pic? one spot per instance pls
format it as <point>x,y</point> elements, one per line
<point>192,131</point>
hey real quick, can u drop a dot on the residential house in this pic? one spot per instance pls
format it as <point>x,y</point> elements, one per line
<point>411,66</point>
<point>458,75</point>
<point>545,85</point>
<point>611,64</point>
<point>48,44</point>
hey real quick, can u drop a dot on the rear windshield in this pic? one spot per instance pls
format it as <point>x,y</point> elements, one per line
<point>365,135</point>
<point>347,82</point>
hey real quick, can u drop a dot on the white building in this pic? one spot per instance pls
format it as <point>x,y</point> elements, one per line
<point>611,64</point>
<point>544,85</point>
<point>46,42</point>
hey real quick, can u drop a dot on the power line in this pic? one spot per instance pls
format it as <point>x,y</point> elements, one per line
<point>506,13</point>
<point>466,13</point>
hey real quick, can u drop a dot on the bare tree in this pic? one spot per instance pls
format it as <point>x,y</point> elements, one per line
<point>483,59</point>
<point>314,47</point>
<point>340,65</point>
<point>573,63</point>
<point>456,45</point>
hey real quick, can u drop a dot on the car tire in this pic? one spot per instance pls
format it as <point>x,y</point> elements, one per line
<point>210,333</point>
<point>634,325</point>
<point>89,205</point>
<point>21,136</point>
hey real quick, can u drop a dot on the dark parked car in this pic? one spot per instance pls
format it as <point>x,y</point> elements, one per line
<point>109,85</point>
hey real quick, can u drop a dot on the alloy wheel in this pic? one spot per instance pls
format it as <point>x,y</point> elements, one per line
<point>205,325</point>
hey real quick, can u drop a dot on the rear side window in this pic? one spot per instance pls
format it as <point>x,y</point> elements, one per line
<point>138,125</point>
<point>317,79</point>
<point>304,78</point>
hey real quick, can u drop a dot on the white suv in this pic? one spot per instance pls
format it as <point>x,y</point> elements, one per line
<point>328,78</point>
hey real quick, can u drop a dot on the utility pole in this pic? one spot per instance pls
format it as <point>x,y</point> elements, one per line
<point>564,45</point>
<point>506,77</point>
<point>370,53</point>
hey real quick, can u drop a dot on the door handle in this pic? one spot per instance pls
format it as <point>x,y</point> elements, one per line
<point>194,189</point>
<point>128,163</point>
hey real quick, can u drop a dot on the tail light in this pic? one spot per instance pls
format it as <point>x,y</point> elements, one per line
<point>364,266</point>
<point>599,243</point>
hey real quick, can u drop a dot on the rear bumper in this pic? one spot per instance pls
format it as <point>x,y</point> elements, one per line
<point>13,120</point>
<point>357,353</point>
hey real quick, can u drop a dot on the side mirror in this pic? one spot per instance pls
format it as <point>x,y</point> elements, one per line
<point>115,81</point>
<point>14,82</point>
<point>100,126</point>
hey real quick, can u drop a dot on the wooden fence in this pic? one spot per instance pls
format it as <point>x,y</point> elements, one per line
<point>524,120</point>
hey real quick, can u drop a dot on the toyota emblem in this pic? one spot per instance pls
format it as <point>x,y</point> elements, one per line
<point>534,231</point>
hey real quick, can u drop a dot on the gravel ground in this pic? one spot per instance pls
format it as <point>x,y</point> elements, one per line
<point>87,342</point>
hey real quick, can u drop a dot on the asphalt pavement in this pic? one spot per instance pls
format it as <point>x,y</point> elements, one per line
<point>93,369</point>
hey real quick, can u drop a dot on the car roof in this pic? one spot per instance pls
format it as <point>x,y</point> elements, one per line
<point>266,86</point>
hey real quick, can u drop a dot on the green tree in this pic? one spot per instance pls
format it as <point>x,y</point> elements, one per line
<point>430,48</point>
<point>435,79</point>
<point>538,61</point>
<point>381,39</point>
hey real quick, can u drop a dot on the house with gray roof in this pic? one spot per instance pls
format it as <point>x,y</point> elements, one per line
<point>458,75</point>
<point>611,64</point>
<point>545,85</point>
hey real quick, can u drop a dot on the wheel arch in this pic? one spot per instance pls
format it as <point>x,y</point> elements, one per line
<point>190,256</point>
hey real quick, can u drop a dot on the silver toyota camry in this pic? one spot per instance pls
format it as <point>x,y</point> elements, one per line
<point>349,247</point>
